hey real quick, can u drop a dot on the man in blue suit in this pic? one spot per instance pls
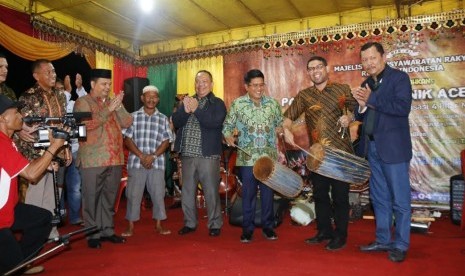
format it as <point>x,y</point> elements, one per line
<point>384,100</point>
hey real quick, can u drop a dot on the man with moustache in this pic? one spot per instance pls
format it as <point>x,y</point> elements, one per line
<point>43,100</point>
<point>147,140</point>
<point>257,118</point>
<point>326,106</point>
<point>100,157</point>
<point>199,121</point>
<point>385,99</point>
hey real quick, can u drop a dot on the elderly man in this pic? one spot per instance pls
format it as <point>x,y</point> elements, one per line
<point>147,140</point>
<point>32,221</point>
<point>100,158</point>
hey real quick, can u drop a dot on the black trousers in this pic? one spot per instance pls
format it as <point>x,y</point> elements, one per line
<point>339,208</point>
<point>35,224</point>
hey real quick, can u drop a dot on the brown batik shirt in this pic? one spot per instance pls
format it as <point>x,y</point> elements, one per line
<point>104,144</point>
<point>322,111</point>
<point>37,102</point>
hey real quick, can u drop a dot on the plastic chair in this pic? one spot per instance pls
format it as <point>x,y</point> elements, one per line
<point>124,180</point>
<point>122,185</point>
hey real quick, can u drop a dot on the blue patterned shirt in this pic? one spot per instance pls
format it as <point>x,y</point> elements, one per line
<point>148,132</point>
<point>256,126</point>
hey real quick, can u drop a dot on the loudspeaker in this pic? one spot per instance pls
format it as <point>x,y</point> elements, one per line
<point>279,206</point>
<point>457,189</point>
<point>132,91</point>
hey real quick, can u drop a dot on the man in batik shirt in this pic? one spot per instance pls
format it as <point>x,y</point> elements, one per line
<point>43,100</point>
<point>256,118</point>
<point>327,108</point>
<point>100,157</point>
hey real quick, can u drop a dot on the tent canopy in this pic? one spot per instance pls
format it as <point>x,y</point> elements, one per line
<point>182,24</point>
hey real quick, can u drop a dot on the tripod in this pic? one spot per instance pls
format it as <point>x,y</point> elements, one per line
<point>62,242</point>
<point>56,219</point>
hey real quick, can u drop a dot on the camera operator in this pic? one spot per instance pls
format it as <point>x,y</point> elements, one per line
<point>32,221</point>
<point>43,100</point>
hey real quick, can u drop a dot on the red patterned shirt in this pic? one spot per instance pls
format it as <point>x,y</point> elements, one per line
<point>104,144</point>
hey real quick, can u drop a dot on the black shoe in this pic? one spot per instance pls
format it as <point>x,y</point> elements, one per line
<point>79,222</point>
<point>214,232</point>
<point>269,234</point>
<point>113,239</point>
<point>396,255</point>
<point>336,243</point>
<point>375,247</point>
<point>94,243</point>
<point>246,237</point>
<point>318,238</point>
<point>186,230</point>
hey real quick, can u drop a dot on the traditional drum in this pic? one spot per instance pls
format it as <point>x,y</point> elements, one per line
<point>338,164</point>
<point>278,177</point>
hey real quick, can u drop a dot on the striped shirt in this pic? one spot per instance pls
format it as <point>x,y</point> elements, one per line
<point>148,132</point>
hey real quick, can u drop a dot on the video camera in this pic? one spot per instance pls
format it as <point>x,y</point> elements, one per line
<point>71,120</point>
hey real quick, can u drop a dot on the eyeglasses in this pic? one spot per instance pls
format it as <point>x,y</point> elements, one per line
<point>318,67</point>
<point>256,85</point>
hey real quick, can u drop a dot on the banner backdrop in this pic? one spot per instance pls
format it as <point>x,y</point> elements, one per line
<point>434,58</point>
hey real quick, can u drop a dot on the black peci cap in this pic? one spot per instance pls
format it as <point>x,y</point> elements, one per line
<point>100,73</point>
<point>6,103</point>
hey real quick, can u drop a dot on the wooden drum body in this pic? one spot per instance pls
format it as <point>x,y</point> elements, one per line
<point>278,177</point>
<point>339,165</point>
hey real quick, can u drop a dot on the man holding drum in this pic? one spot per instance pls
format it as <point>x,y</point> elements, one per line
<point>326,106</point>
<point>257,119</point>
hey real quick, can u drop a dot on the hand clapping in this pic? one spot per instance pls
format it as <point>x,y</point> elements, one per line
<point>190,104</point>
<point>361,94</point>
<point>116,102</point>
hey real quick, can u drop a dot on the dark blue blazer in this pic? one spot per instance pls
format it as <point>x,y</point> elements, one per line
<point>392,102</point>
<point>210,118</point>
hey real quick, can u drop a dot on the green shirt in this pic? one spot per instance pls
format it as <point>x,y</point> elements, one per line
<point>256,127</point>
